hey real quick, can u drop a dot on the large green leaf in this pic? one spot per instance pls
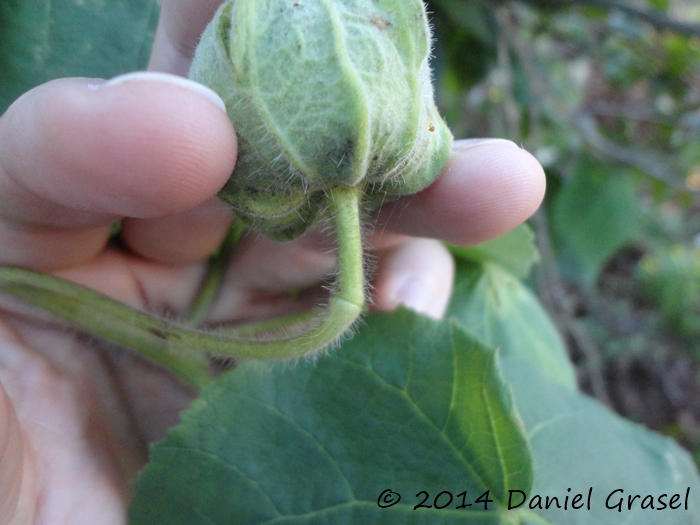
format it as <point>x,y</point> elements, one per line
<point>41,40</point>
<point>594,214</point>
<point>579,444</point>
<point>407,405</point>
<point>505,314</point>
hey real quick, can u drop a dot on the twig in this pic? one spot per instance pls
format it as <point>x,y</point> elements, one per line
<point>654,165</point>
<point>657,21</point>
<point>511,109</point>
<point>552,291</point>
<point>557,302</point>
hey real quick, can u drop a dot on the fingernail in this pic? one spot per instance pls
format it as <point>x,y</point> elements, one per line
<point>153,76</point>
<point>419,296</point>
<point>473,143</point>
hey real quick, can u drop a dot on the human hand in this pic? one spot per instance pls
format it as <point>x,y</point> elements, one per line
<point>76,155</point>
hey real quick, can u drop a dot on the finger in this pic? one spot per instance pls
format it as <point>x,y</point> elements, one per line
<point>180,25</point>
<point>418,274</point>
<point>72,426</point>
<point>46,248</point>
<point>488,187</point>
<point>264,277</point>
<point>76,154</point>
<point>15,470</point>
<point>497,184</point>
<point>182,238</point>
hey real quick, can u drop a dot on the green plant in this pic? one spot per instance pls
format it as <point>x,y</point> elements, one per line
<point>461,417</point>
<point>417,421</point>
<point>370,101</point>
<point>670,277</point>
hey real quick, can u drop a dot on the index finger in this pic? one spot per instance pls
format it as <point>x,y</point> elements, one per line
<point>180,26</point>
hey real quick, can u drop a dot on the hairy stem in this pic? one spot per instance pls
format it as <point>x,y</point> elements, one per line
<point>108,319</point>
<point>184,350</point>
<point>214,277</point>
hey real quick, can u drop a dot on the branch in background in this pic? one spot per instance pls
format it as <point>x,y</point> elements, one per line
<point>651,164</point>
<point>559,305</point>
<point>511,109</point>
<point>656,20</point>
<point>552,291</point>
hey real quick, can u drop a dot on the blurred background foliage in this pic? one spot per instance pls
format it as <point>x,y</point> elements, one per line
<point>606,95</point>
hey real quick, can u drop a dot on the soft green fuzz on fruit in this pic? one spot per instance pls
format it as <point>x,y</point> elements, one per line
<point>322,93</point>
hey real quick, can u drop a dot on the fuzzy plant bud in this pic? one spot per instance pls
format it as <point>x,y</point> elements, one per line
<point>323,93</point>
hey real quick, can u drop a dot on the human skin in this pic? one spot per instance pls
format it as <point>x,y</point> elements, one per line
<point>76,415</point>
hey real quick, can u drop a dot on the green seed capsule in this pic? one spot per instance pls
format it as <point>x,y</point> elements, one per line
<point>322,93</point>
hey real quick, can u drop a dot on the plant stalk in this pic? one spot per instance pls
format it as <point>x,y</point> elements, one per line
<point>185,350</point>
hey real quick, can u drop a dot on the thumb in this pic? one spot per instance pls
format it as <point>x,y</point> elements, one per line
<point>16,478</point>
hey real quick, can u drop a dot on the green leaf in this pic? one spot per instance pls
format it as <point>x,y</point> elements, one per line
<point>44,40</point>
<point>594,215</point>
<point>408,405</point>
<point>659,5</point>
<point>578,443</point>
<point>514,251</point>
<point>670,278</point>
<point>505,314</point>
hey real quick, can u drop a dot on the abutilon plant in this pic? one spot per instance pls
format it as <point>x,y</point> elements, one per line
<point>334,112</point>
